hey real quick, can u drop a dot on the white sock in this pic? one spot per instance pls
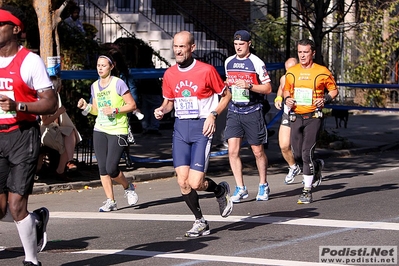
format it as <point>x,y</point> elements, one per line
<point>8,217</point>
<point>27,233</point>
<point>308,179</point>
<point>293,166</point>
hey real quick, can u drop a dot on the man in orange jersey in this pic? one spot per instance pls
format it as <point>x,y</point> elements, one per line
<point>304,88</point>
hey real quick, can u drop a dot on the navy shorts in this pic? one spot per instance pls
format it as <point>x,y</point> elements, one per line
<point>190,146</point>
<point>251,126</point>
<point>19,152</point>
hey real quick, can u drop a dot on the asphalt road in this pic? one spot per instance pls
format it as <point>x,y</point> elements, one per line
<point>356,205</point>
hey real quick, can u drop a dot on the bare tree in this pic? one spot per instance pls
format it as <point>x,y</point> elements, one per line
<point>321,17</point>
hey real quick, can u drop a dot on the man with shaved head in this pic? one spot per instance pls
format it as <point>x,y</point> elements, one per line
<point>193,88</point>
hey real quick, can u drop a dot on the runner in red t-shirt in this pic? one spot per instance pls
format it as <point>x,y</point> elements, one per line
<point>193,88</point>
<point>25,92</point>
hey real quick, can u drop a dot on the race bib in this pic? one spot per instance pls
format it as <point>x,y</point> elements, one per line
<point>187,107</point>
<point>239,95</point>
<point>303,96</point>
<point>105,120</point>
<point>8,114</point>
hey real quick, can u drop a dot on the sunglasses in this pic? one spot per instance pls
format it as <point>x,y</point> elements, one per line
<point>3,23</point>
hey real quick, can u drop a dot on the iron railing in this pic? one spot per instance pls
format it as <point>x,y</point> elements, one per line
<point>214,35</point>
<point>212,26</point>
<point>94,14</point>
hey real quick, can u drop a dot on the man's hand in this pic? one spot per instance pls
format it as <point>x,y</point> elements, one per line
<point>7,104</point>
<point>209,126</point>
<point>319,103</point>
<point>242,84</point>
<point>158,113</point>
<point>290,102</point>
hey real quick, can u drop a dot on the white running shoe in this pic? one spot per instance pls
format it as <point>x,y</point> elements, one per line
<point>131,195</point>
<point>263,192</point>
<point>109,205</point>
<point>292,173</point>
<point>200,228</point>
<point>239,193</point>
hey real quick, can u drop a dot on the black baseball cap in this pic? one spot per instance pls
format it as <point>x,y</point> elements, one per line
<point>242,35</point>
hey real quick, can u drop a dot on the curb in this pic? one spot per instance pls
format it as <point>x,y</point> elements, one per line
<point>141,176</point>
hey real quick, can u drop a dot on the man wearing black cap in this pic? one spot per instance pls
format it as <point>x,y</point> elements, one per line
<point>248,81</point>
<point>25,92</point>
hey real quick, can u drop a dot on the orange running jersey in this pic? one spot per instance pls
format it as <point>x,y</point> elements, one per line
<point>307,84</point>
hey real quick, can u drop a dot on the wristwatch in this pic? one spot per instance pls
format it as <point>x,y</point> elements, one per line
<point>250,86</point>
<point>22,107</point>
<point>215,114</point>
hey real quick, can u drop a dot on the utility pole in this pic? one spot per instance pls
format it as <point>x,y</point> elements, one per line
<point>288,38</point>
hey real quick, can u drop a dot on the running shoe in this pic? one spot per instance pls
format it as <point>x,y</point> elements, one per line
<point>109,205</point>
<point>263,192</point>
<point>42,216</point>
<point>200,228</point>
<point>225,203</point>
<point>292,173</point>
<point>317,175</point>
<point>131,195</point>
<point>239,193</point>
<point>29,263</point>
<point>306,197</point>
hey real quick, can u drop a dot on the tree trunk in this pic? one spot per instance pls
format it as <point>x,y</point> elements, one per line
<point>45,23</point>
<point>317,32</point>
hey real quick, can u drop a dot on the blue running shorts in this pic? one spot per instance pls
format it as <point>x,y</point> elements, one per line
<point>190,146</point>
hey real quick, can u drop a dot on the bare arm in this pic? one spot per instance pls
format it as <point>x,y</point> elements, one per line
<point>224,101</point>
<point>210,123</point>
<point>278,101</point>
<point>48,119</point>
<point>46,104</point>
<point>165,108</point>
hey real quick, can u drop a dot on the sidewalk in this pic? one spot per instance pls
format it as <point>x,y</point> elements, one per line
<point>152,155</point>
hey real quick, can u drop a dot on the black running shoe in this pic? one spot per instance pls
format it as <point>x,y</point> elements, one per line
<point>41,234</point>
<point>225,203</point>
<point>29,263</point>
<point>306,197</point>
<point>317,173</point>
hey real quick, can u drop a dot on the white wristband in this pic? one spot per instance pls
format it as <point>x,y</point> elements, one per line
<point>87,110</point>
